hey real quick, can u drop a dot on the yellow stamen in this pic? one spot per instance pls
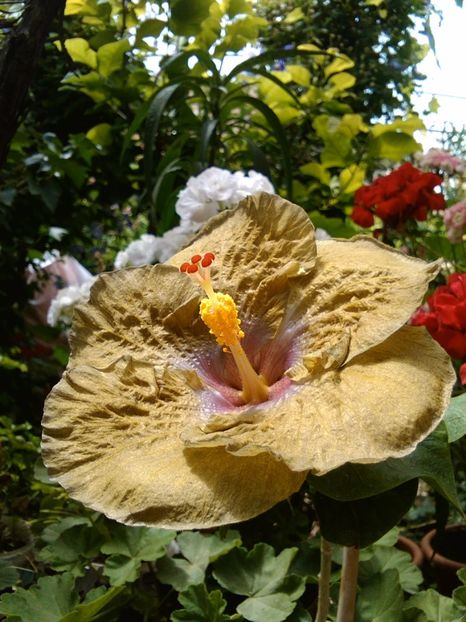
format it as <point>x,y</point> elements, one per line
<point>219,312</point>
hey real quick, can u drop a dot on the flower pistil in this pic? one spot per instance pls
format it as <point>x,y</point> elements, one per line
<point>220,314</point>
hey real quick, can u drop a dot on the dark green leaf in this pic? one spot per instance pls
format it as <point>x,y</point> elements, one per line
<point>430,461</point>
<point>199,550</point>
<point>47,601</point>
<point>8,575</point>
<point>187,16</point>
<point>95,602</point>
<point>363,521</point>
<point>276,127</point>
<point>129,547</point>
<point>201,606</point>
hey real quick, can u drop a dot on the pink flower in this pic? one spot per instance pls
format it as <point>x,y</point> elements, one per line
<point>443,160</point>
<point>455,222</point>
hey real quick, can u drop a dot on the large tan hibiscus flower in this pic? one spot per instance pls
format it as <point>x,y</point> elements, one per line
<point>150,423</point>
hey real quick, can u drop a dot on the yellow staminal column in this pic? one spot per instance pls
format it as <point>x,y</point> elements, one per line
<point>219,312</point>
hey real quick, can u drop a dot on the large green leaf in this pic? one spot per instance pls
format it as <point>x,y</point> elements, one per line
<point>198,550</point>
<point>187,16</point>
<point>81,52</point>
<point>264,578</point>
<point>388,557</point>
<point>381,599</point>
<point>430,461</point>
<point>253,572</point>
<point>201,606</point>
<point>455,418</point>
<point>95,602</point>
<point>129,547</point>
<point>110,57</point>
<point>70,546</point>
<point>47,601</point>
<point>363,521</point>
<point>430,606</point>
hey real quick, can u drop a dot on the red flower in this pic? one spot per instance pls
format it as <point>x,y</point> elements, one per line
<point>444,316</point>
<point>406,193</point>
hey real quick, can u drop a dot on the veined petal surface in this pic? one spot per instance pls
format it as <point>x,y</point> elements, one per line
<point>112,439</point>
<point>378,406</point>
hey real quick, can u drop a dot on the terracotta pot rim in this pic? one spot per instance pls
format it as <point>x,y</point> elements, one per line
<point>435,557</point>
<point>412,548</point>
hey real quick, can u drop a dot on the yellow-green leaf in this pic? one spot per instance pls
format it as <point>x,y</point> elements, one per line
<point>352,178</point>
<point>314,169</point>
<point>81,52</point>
<point>338,64</point>
<point>394,145</point>
<point>73,7</point>
<point>100,134</point>
<point>299,74</point>
<point>342,80</point>
<point>111,56</point>
<point>406,126</point>
<point>295,16</point>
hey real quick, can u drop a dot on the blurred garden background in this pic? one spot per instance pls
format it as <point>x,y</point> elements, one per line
<point>126,124</point>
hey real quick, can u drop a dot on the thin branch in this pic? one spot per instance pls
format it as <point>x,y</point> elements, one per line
<point>348,584</point>
<point>323,599</point>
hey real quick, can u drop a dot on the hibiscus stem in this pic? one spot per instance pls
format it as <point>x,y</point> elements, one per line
<point>323,599</point>
<point>348,584</point>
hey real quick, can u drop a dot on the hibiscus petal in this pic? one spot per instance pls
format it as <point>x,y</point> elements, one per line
<point>138,311</point>
<point>364,412</point>
<point>258,248</point>
<point>111,438</point>
<point>361,287</point>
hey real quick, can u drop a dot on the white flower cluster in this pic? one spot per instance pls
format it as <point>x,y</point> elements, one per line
<point>204,196</point>
<point>62,306</point>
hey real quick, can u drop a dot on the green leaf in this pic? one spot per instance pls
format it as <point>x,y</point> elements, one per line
<point>100,134</point>
<point>95,602</point>
<point>275,126</point>
<point>148,28</point>
<point>294,16</point>
<point>80,52</point>
<point>342,81</point>
<point>8,575</point>
<point>72,550</point>
<point>386,558</point>
<point>263,577</point>
<point>381,600</point>
<point>201,606</point>
<point>363,521</point>
<point>393,146</point>
<point>434,606</point>
<point>455,418</point>
<point>199,551</point>
<point>129,547</point>
<point>270,608</point>
<point>110,57</point>
<point>186,16</point>
<point>430,461</point>
<point>352,178</point>
<point>336,227</point>
<point>340,63</point>
<point>316,170</point>
<point>47,601</point>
